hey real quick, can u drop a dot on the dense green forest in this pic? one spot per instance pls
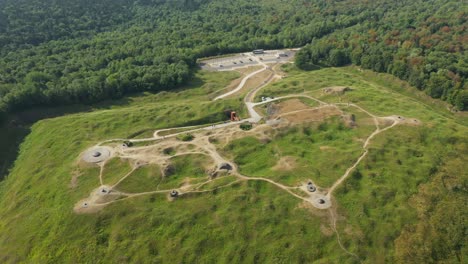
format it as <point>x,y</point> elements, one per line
<point>66,52</point>
<point>423,42</point>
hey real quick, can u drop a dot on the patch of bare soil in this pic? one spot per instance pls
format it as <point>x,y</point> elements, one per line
<point>279,71</point>
<point>366,121</point>
<point>349,120</point>
<point>255,81</point>
<point>80,209</point>
<point>96,200</point>
<point>326,148</point>
<point>411,122</point>
<point>228,134</point>
<point>74,179</point>
<point>290,106</point>
<point>313,210</point>
<point>312,114</point>
<point>248,70</point>
<point>384,122</point>
<point>326,230</point>
<point>285,164</point>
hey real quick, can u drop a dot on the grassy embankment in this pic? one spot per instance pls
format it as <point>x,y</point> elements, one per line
<point>389,191</point>
<point>243,223</point>
<point>246,222</point>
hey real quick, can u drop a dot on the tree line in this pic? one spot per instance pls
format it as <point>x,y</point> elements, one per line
<point>423,42</point>
<point>66,52</point>
<point>61,52</point>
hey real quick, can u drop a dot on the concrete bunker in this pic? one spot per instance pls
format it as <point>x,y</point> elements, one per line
<point>127,144</point>
<point>225,166</point>
<point>97,154</point>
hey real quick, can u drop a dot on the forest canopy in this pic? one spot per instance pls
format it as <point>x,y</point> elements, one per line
<point>422,42</point>
<point>65,52</point>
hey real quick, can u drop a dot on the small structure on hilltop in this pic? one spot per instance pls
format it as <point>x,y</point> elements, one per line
<point>127,144</point>
<point>311,187</point>
<point>349,120</point>
<point>174,193</point>
<point>97,154</point>
<point>232,115</point>
<point>225,166</point>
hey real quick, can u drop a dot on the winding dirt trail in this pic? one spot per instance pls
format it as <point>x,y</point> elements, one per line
<point>106,195</point>
<point>255,117</point>
<point>241,84</point>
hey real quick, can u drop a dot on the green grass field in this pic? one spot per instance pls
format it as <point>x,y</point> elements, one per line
<point>324,166</point>
<point>247,222</point>
<point>144,179</point>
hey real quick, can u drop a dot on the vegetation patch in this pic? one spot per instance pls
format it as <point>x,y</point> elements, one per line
<point>406,179</point>
<point>246,126</point>
<point>114,169</point>
<point>184,168</point>
<point>144,179</point>
<point>185,137</point>
<point>302,143</point>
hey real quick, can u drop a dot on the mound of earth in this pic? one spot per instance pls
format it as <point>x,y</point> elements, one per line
<point>336,90</point>
<point>349,120</point>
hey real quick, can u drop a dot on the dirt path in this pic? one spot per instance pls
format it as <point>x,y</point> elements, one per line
<point>255,117</point>
<point>338,238</point>
<point>106,195</point>
<point>241,84</point>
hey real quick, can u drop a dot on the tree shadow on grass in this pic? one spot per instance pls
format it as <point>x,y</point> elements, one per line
<point>11,136</point>
<point>312,67</point>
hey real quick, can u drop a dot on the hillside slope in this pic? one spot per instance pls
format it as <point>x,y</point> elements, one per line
<point>248,221</point>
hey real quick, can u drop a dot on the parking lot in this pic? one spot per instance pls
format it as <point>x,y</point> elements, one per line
<point>247,59</point>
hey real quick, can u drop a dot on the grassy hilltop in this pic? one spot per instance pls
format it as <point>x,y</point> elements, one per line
<point>402,204</point>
